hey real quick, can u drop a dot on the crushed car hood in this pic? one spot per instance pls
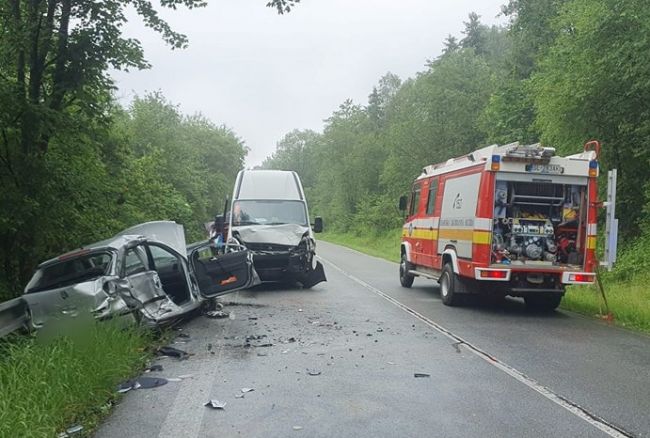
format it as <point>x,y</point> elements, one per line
<point>288,234</point>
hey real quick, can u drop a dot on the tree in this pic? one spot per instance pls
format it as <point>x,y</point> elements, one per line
<point>593,83</point>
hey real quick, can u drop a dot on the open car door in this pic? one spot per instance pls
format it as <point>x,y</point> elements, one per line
<point>219,274</point>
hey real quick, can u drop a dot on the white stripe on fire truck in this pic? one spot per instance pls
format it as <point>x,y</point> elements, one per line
<point>592,229</point>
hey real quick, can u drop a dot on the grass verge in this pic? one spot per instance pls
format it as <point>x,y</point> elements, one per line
<point>628,301</point>
<point>47,387</point>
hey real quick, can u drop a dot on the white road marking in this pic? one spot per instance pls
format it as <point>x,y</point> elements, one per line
<point>570,406</point>
<point>185,418</point>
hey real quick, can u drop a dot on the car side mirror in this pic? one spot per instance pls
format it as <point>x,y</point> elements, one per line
<point>318,224</point>
<point>402,203</point>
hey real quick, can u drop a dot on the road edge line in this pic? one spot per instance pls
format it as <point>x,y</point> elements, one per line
<point>580,412</point>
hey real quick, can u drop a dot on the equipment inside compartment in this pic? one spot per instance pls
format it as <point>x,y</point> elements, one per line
<point>538,223</point>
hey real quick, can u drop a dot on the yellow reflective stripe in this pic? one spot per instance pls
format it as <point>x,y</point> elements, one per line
<point>591,242</point>
<point>475,236</point>
<point>482,237</point>
<point>425,234</point>
<point>456,234</point>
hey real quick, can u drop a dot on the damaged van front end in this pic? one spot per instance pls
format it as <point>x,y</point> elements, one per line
<point>284,253</point>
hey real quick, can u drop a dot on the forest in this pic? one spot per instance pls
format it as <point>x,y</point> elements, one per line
<point>560,72</point>
<point>76,166</point>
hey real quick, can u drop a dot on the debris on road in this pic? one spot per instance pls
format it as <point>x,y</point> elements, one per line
<point>261,353</point>
<point>456,345</point>
<point>297,427</point>
<point>245,390</point>
<point>186,376</point>
<point>217,314</point>
<point>172,352</point>
<point>313,372</point>
<point>156,367</point>
<point>183,335</point>
<point>141,382</point>
<point>215,404</point>
<point>239,395</point>
<point>421,375</point>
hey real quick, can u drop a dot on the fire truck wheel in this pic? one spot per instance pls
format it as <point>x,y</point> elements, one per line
<point>449,286</point>
<point>543,303</point>
<point>405,278</point>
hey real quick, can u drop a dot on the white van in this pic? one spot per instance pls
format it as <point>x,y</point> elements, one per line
<point>270,217</point>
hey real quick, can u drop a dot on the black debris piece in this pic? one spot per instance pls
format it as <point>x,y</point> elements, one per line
<point>252,318</point>
<point>254,337</point>
<point>156,367</point>
<point>421,375</point>
<point>209,347</point>
<point>456,345</point>
<point>263,345</point>
<point>215,404</point>
<point>313,372</point>
<point>150,382</point>
<point>245,390</point>
<point>141,383</point>
<point>172,352</point>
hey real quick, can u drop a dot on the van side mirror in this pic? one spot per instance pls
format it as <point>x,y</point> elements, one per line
<point>402,203</point>
<point>318,224</point>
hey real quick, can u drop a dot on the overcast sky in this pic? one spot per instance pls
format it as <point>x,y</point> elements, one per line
<point>264,75</point>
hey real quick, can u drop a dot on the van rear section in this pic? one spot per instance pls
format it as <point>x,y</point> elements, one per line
<point>505,220</point>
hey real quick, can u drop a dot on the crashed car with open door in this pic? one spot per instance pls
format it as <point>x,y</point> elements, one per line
<point>143,274</point>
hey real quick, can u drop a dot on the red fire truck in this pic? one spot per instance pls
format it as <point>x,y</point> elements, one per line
<point>507,220</point>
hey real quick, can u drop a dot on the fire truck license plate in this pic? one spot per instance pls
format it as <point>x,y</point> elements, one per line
<point>544,168</point>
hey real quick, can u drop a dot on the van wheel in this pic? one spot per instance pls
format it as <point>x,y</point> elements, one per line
<point>543,303</point>
<point>449,286</point>
<point>405,278</point>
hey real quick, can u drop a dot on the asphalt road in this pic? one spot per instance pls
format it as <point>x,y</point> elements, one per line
<point>493,370</point>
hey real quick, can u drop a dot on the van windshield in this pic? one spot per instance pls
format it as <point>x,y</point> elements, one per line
<point>268,212</point>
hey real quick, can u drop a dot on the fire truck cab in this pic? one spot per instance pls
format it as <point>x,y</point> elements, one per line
<point>504,220</point>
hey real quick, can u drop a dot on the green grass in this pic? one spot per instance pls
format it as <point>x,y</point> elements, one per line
<point>628,301</point>
<point>383,244</point>
<point>48,386</point>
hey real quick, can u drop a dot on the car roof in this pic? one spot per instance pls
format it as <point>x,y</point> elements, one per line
<point>114,243</point>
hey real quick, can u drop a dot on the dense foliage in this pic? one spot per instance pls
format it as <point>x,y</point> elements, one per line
<point>560,71</point>
<point>74,166</point>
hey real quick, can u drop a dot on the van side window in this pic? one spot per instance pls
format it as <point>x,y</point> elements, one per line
<point>415,199</point>
<point>431,201</point>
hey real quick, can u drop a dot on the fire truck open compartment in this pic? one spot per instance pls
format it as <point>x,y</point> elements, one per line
<point>539,223</point>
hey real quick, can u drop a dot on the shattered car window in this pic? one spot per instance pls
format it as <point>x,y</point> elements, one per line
<point>82,268</point>
<point>134,262</point>
<point>161,257</point>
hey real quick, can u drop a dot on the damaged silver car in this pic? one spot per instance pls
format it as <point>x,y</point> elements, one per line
<point>270,217</point>
<point>144,274</point>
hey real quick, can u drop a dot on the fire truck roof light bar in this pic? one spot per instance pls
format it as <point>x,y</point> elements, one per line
<point>492,274</point>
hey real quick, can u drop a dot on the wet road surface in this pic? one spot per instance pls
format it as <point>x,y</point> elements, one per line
<point>344,355</point>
